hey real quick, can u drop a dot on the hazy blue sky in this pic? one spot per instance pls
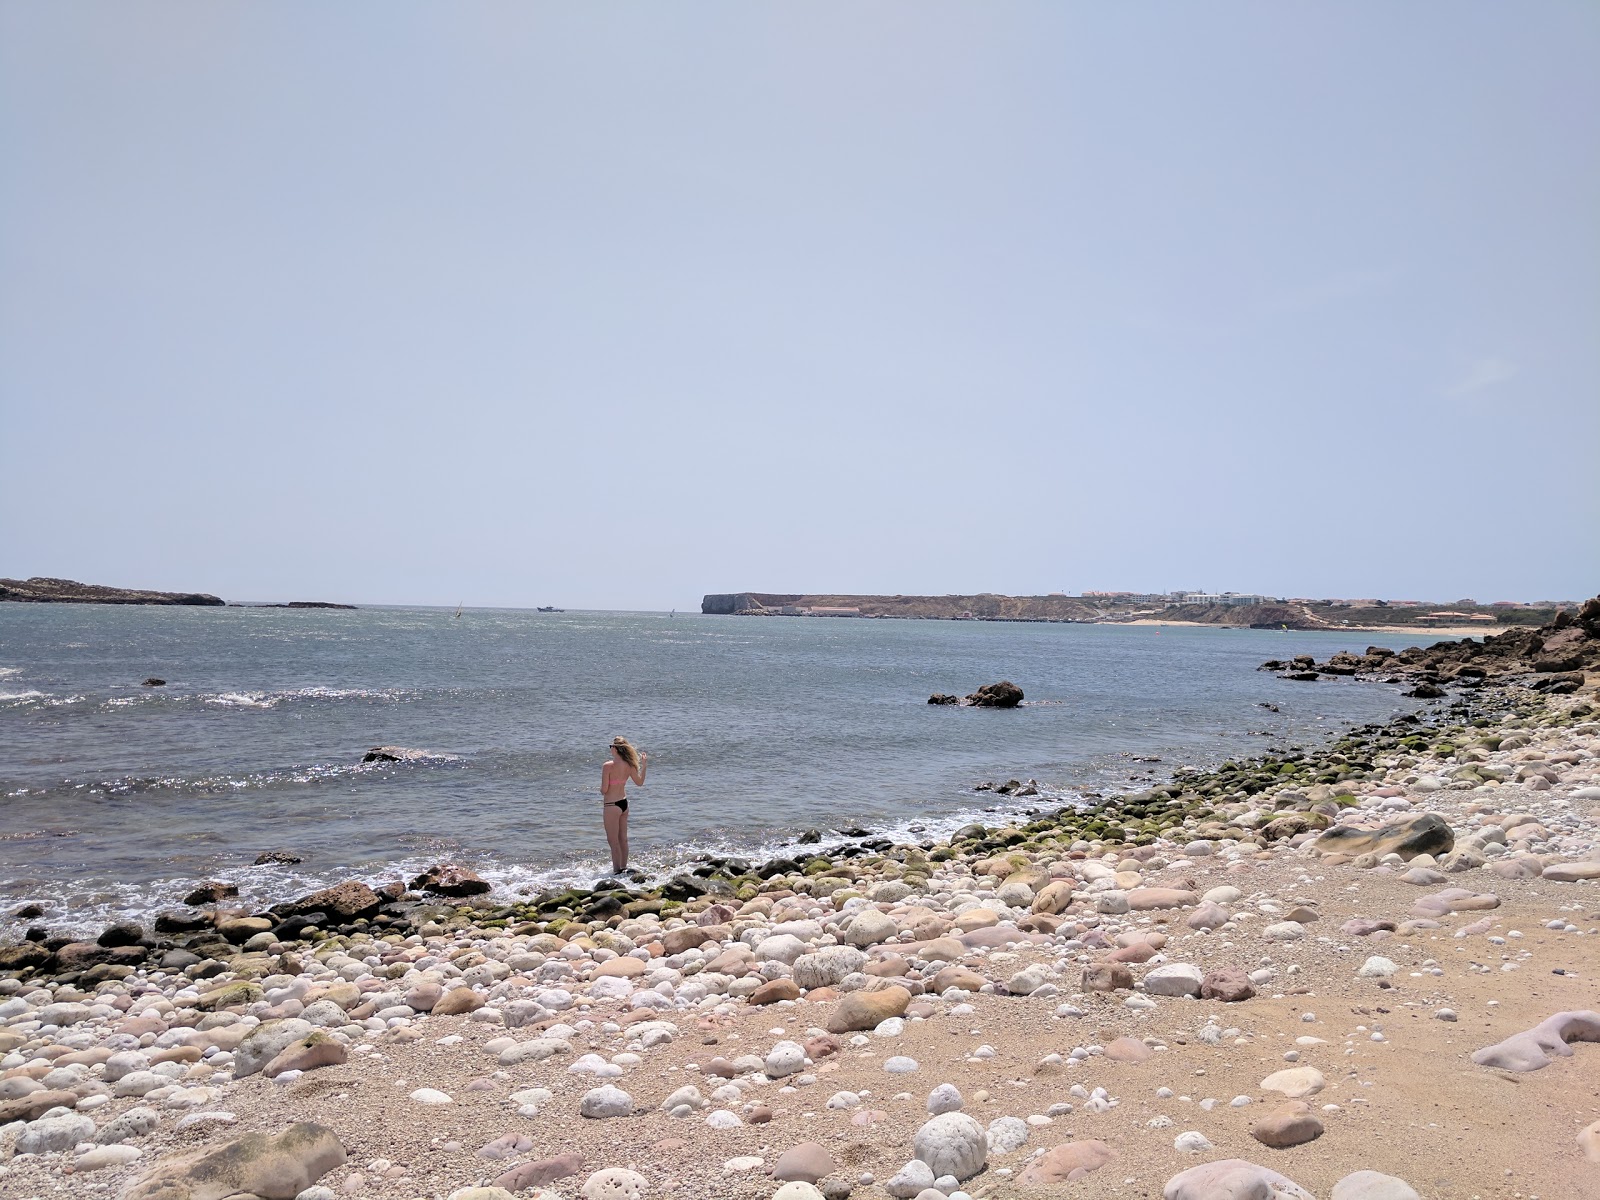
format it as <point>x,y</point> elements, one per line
<point>610,305</point>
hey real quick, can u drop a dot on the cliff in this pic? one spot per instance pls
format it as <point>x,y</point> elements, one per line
<point>39,590</point>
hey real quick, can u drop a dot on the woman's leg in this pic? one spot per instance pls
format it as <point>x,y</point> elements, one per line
<point>616,836</point>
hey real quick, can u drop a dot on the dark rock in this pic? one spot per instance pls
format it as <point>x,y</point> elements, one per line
<point>810,837</point>
<point>1303,676</point>
<point>684,887</point>
<point>401,754</point>
<point>1426,691</point>
<point>79,956</point>
<point>450,879</point>
<point>121,934</point>
<point>1004,694</point>
<point>181,922</point>
<point>213,891</point>
<point>153,681</point>
<point>1426,833</point>
<point>25,956</point>
<point>29,912</point>
<point>277,858</point>
<point>943,698</point>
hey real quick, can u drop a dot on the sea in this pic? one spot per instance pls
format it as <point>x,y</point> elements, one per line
<point>115,798</point>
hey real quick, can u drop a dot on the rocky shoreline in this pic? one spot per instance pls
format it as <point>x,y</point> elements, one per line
<point>1291,976</point>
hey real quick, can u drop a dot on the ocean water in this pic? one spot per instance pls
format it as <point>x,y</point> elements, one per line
<point>115,797</point>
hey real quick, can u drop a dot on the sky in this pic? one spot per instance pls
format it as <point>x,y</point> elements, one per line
<point>610,306</point>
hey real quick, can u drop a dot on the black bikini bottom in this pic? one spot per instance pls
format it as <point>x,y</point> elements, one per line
<point>621,805</point>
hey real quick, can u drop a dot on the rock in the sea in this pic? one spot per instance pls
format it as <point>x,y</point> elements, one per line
<point>1535,1048</point>
<point>943,698</point>
<point>277,858</point>
<point>401,754</point>
<point>450,879</point>
<point>1004,694</point>
<point>952,1144</point>
<point>1067,1163</point>
<point>1232,1179</point>
<point>213,891</point>
<point>270,1166</point>
<point>1425,833</point>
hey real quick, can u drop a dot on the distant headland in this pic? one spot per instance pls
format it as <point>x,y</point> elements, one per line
<point>1226,609</point>
<point>40,590</point>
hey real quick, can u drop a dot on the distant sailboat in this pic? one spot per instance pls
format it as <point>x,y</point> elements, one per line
<point>457,617</point>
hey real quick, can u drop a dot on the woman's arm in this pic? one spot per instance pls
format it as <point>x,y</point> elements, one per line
<point>605,772</point>
<point>644,761</point>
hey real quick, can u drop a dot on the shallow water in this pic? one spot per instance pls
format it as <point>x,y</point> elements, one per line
<point>115,796</point>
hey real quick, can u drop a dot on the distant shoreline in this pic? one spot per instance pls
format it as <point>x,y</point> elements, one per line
<point>1227,610</point>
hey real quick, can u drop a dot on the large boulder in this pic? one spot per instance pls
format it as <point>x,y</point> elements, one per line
<point>343,902</point>
<point>270,1166</point>
<point>1004,694</point>
<point>1426,833</point>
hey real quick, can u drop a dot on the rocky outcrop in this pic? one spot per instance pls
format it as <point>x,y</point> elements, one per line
<point>1004,694</point>
<point>403,754</point>
<point>300,604</point>
<point>1551,658</point>
<point>40,590</point>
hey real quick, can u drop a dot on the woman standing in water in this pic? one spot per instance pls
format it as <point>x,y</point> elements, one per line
<point>624,764</point>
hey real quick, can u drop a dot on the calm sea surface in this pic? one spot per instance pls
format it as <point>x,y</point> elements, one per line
<point>114,796</point>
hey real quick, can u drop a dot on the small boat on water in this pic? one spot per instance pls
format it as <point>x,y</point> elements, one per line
<point>550,608</point>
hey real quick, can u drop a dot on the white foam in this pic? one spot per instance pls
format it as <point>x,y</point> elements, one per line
<point>30,694</point>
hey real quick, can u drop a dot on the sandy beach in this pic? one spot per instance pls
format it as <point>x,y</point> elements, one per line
<point>1290,973</point>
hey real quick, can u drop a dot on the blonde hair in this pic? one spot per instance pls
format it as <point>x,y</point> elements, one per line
<point>623,749</point>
